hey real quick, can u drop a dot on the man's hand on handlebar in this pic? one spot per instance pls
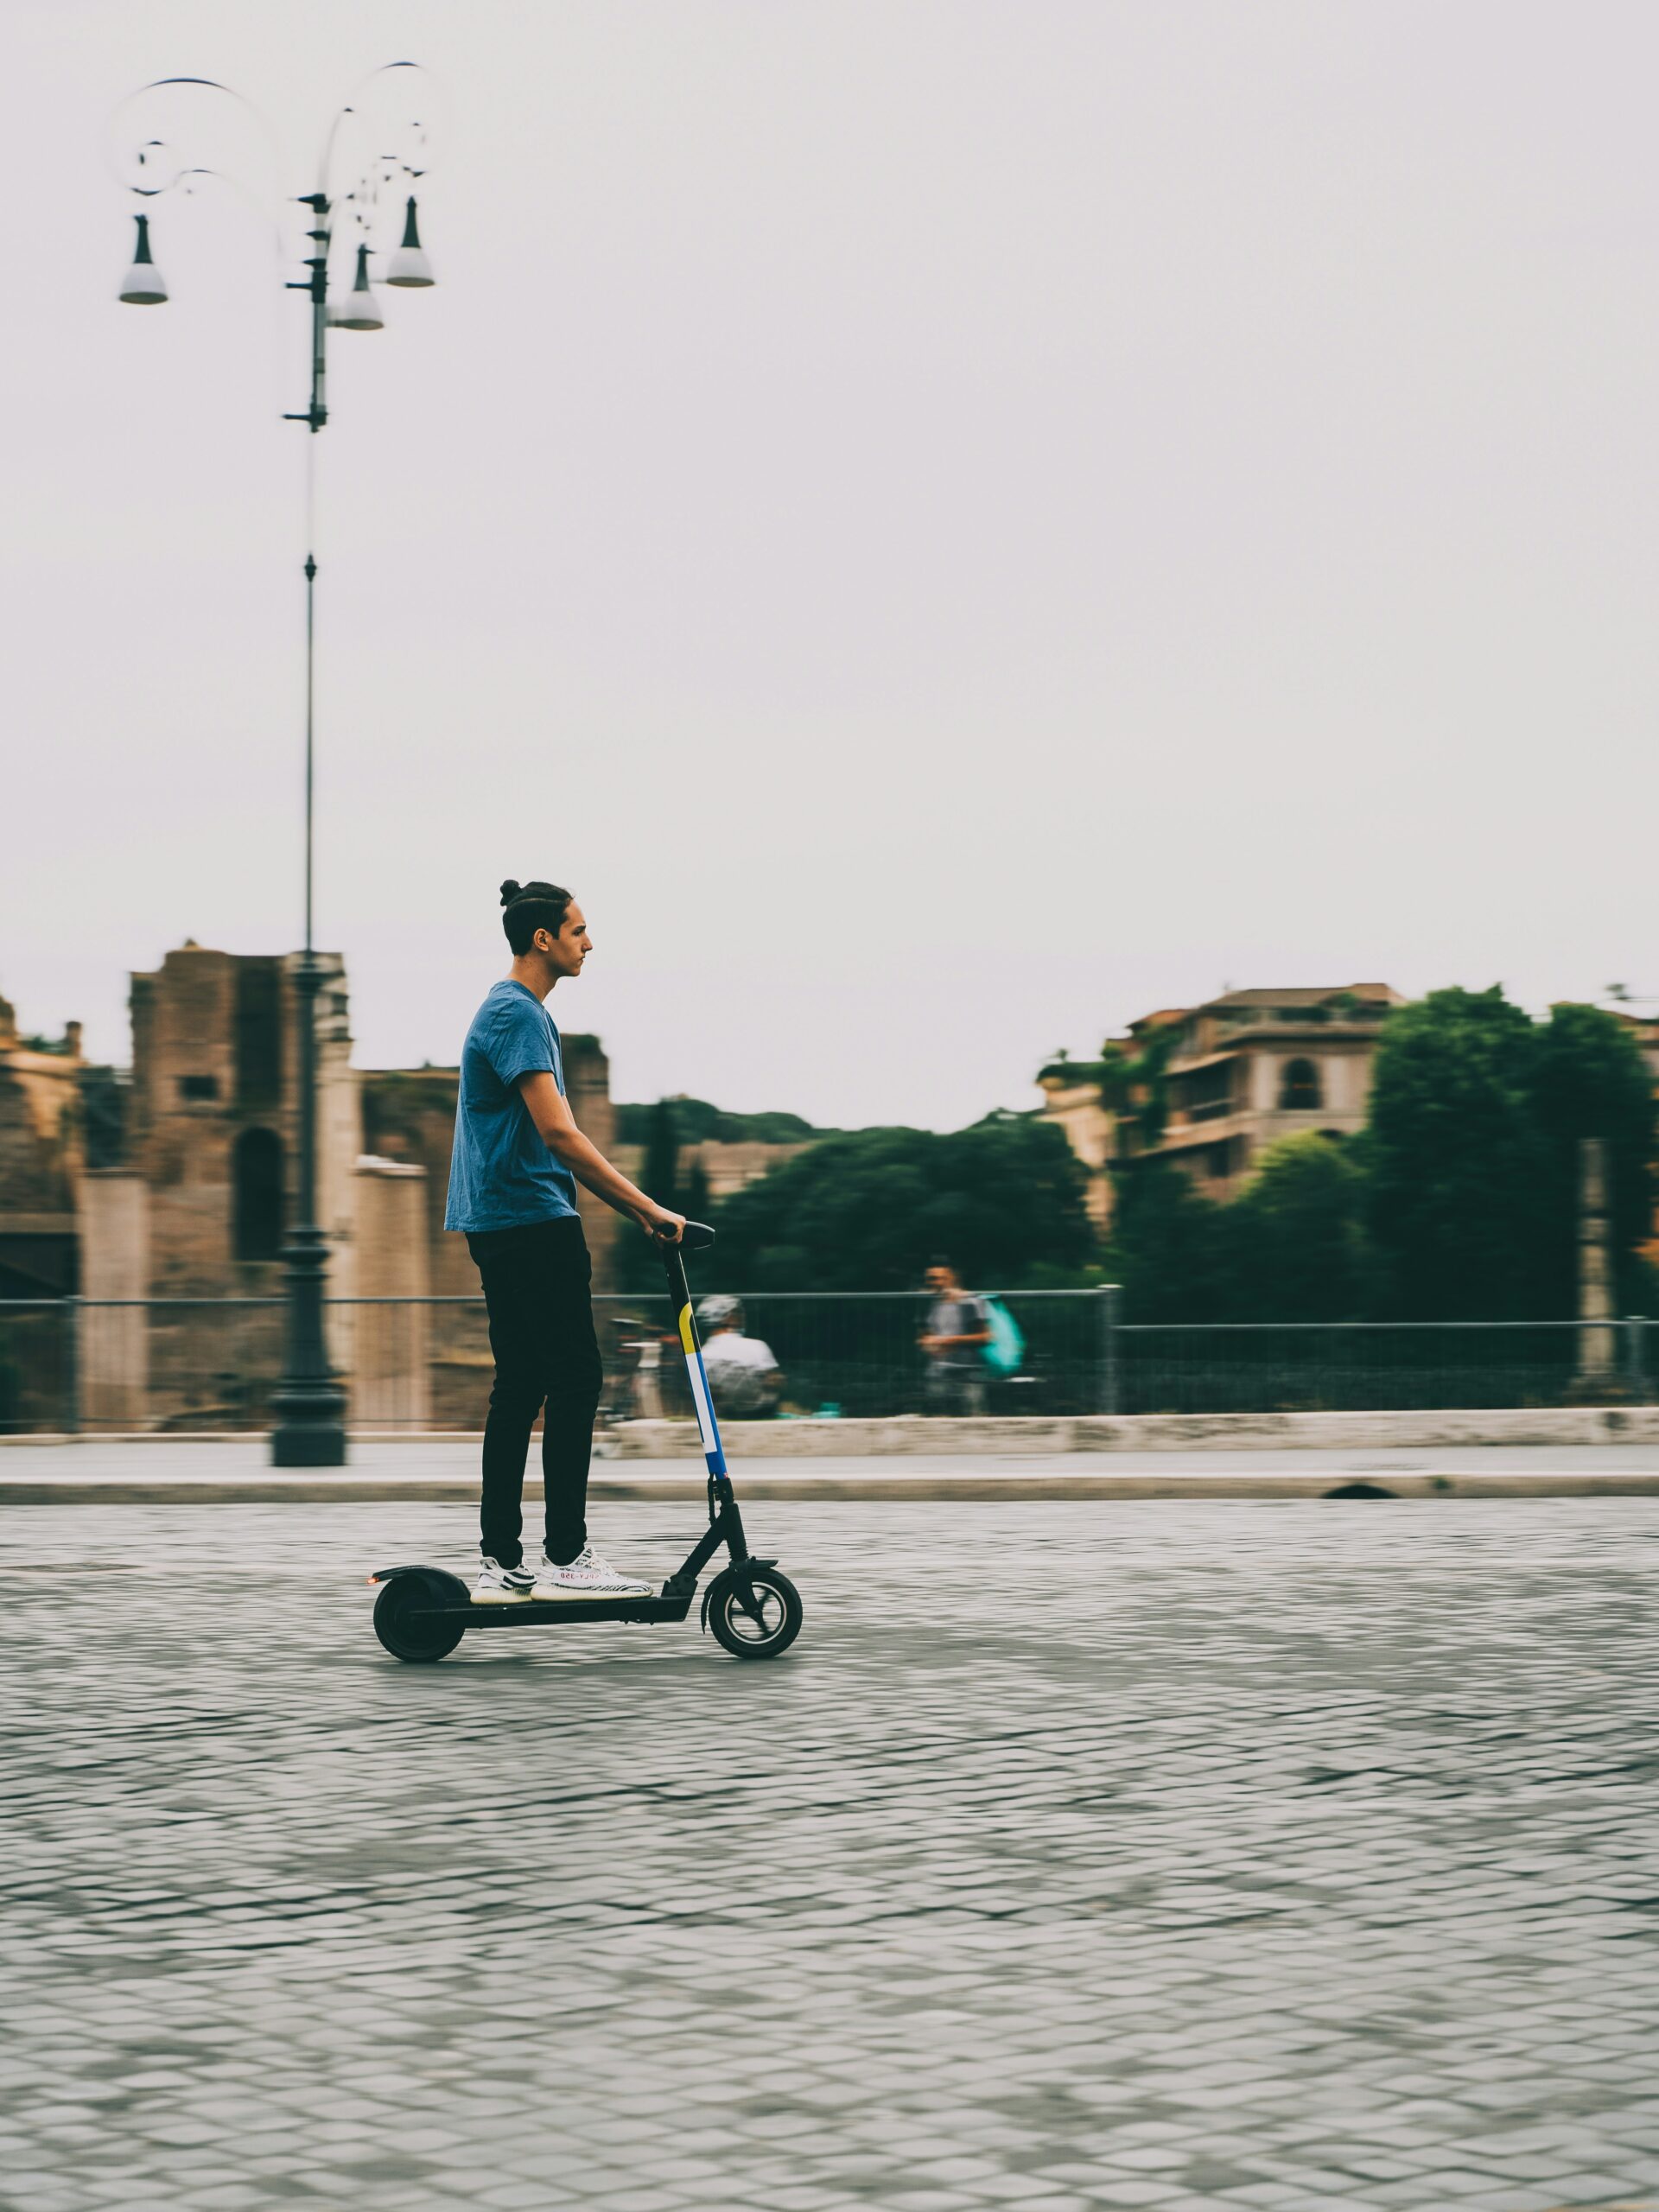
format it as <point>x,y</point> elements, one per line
<point>667,1228</point>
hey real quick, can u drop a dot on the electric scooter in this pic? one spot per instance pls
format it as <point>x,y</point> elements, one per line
<point>422,1613</point>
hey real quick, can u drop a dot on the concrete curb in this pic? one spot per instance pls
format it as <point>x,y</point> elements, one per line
<point>918,1435</point>
<point>927,1485</point>
<point>908,1436</point>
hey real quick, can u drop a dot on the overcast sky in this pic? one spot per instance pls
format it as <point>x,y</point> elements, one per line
<point>948,525</point>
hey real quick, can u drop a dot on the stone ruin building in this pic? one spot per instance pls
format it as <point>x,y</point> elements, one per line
<point>176,1183</point>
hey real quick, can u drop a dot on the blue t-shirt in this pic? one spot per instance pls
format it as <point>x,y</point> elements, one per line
<point>501,1174</point>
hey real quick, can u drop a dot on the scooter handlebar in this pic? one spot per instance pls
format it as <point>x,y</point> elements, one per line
<point>695,1236</point>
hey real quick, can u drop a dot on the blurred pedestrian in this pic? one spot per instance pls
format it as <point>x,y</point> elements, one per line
<point>958,1328</point>
<point>743,1374</point>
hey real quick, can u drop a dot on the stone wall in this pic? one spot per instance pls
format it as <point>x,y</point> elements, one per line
<point>1018,1438</point>
<point>199,1189</point>
<point>215,1115</point>
<point>114,1339</point>
<point>409,1114</point>
<point>389,1355</point>
<point>726,1166</point>
<point>40,1161</point>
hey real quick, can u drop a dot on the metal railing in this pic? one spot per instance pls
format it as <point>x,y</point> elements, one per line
<point>1377,1366</point>
<point>176,1364</point>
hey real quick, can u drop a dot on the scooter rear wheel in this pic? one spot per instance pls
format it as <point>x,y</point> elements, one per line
<point>756,1616</point>
<point>420,1641</point>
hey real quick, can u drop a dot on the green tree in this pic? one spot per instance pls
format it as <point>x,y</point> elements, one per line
<point>1473,1154</point>
<point>661,1166</point>
<point>1297,1234</point>
<point>1590,1081</point>
<point>659,1179</point>
<point>693,1199</point>
<point>1134,1087</point>
<point>1171,1248</point>
<point>1004,1200</point>
<point>1291,1247</point>
<point>695,1120</point>
<point>1457,1162</point>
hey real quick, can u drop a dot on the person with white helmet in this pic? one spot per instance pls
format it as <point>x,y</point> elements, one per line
<point>742,1372</point>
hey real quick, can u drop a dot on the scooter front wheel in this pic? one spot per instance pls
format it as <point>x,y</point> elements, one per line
<point>754,1616</point>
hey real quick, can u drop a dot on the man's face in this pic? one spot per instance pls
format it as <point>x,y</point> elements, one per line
<point>565,953</point>
<point>940,1280</point>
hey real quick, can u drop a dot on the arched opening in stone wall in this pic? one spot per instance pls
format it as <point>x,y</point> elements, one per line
<point>257,1166</point>
<point>1299,1090</point>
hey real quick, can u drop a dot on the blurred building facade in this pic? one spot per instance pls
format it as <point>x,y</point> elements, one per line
<point>178,1182</point>
<point>1209,1087</point>
<point>408,1116</point>
<point>42,1160</point>
<point>724,1165</point>
<point>212,1134</point>
<point>1074,1100</point>
<point>1644,1029</point>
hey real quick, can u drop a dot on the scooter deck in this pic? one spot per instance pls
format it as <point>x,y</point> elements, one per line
<point>550,1611</point>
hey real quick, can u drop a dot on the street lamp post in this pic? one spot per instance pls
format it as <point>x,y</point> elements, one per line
<point>309,1425</point>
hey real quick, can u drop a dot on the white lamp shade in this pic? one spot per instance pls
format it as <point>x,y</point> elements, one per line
<point>359,310</point>
<point>409,266</point>
<point>144,286</point>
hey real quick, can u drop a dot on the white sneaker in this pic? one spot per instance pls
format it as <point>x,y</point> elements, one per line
<point>586,1576</point>
<point>502,1585</point>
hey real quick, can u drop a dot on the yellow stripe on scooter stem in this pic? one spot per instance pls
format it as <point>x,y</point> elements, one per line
<point>685,1331</point>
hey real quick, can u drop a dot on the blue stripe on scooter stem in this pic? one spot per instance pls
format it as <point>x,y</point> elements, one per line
<point>708,1427</point>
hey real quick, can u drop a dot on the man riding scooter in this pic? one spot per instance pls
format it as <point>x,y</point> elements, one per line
<point>518,1158</point>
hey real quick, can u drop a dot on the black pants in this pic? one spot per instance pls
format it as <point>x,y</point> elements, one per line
<point>535,1286</point>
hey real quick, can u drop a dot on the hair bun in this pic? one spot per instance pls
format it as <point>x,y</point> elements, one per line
<point>509,891</point>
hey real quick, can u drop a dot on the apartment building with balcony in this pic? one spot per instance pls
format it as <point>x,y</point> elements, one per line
<point>1253,1067</point>
<point>1238,1072</point>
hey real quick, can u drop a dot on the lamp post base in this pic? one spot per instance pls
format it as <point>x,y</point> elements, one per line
<point>309,1409</point>
<point>309,1429</point>
<point>306,1443</point>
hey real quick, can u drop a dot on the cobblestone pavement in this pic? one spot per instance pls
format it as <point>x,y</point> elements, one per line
<point>1181,1856</point>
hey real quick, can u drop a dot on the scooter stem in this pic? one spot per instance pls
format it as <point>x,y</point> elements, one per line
<point>695,1237</point>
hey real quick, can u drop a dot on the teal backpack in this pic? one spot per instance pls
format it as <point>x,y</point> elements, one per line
<point>1006,1349</point>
